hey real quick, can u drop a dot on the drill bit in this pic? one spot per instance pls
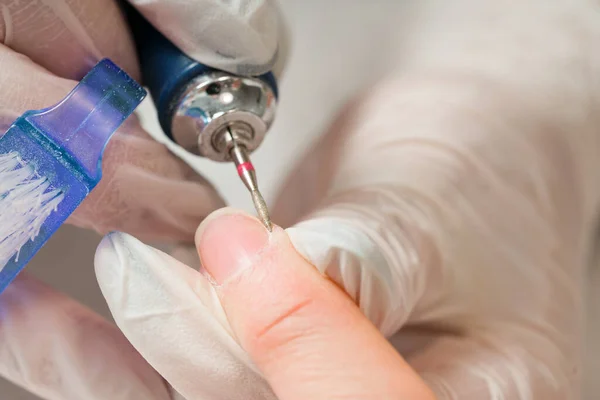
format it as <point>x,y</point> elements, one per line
<point>245,169</point>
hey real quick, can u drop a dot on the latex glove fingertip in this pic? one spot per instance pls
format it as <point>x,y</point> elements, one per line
<point>124,264</point>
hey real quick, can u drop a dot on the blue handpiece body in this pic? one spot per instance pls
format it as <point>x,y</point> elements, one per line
<point>166,70</point>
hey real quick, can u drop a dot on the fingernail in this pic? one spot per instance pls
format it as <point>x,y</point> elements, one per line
<point>228,242</point>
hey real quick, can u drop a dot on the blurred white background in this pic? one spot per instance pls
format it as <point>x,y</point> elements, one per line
<point>338,46</point>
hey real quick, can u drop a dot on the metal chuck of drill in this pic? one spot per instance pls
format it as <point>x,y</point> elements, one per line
<point>224,118</point>
<point>210,113</point>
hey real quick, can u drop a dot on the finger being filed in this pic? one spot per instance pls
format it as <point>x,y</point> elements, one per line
<point>306,335</point>
<point>60,350</point>
<point>68,37</point>
<point>172,316</point>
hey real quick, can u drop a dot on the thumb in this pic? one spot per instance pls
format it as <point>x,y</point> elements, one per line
<point>305,335</point>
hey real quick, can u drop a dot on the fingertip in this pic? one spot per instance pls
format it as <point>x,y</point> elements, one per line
<point>120,255</point>
<point>110,257</point>
<point>106,252</point>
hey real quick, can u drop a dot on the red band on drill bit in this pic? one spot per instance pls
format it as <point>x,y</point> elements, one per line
<point>243,167</point>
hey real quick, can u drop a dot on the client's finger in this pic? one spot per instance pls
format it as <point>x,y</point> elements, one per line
<point>307,337</point>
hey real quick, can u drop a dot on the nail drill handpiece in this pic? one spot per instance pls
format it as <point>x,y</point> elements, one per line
<point>211,113</point>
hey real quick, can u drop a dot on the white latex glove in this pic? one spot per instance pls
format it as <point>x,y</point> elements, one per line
<point>455,202</point>
<point>45,47</point>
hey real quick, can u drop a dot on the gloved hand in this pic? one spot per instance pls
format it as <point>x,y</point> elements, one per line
<point>454,202</point>
<point>303,334</point>
<point>45,47</point>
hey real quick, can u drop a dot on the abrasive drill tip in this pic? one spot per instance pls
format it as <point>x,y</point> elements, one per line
<point>262,210</point>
